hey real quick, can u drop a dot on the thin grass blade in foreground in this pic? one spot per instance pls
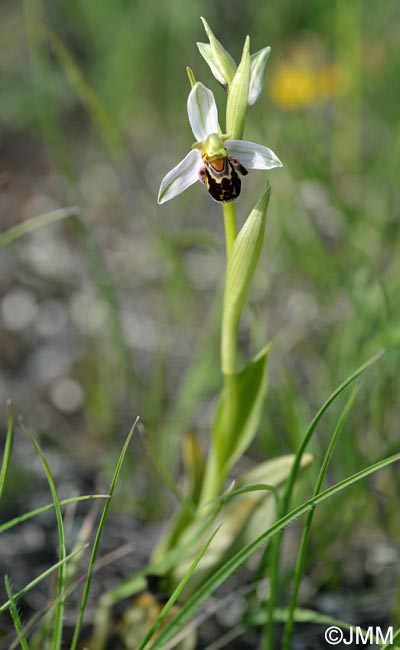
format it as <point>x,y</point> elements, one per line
<point>39,579</point>
<point>15,615</point>
<point>71,587</point>
<point>59,612</point>
<point>133,585</point>
<point>307,528</point>
<point>102,120</point>
<point>177,592</point>
<point>36,222</point>
<point>7,449</point>
<point>235,562</point>
<point>268,641</point>
<point>38,511</point>
<point>96,542</point>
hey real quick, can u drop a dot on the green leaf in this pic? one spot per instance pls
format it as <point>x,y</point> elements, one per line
<point>238,94</point>
<point>241,267</point>
<point>275,473</point>
<point>233,435</point>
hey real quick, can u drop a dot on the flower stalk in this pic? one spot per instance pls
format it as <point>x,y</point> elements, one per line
<point>230,225</point>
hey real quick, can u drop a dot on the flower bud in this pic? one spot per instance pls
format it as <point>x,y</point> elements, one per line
<point>220,61</point>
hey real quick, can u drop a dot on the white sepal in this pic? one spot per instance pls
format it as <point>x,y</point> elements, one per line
<point>252,155</point>
<point>202,112</point>
<point>258,61</point>
<point>181,177</point>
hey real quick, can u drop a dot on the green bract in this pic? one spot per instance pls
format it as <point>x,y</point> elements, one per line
<point>238,95</point>
<point>223,66</point>
<point>240,271</point>
<point>220,61</point>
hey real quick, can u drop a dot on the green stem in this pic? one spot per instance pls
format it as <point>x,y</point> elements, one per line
<point>213,477</point>
<point>229,329</point>
<point>230,227</point>
<point>230,380</point>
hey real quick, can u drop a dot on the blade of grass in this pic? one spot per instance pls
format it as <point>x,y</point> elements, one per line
<point>54,137</point>
<point>5,463</point>
<point>161,566</point>
<point>71,587</point>
<point>36,222</point>
<point>137,582</point>
<point>211,610</point>
<point>102,120</point>
<point>268,635</point>
<point>38,511</point>
<point>241,556</point>
<point>39,579</point>
<point>40,68</point>
<point>177,592</point>
<point>59,612</point>
<point>301,557</point>
<point>230,494</point>
<point>96,542</point>
<point>15,615</point>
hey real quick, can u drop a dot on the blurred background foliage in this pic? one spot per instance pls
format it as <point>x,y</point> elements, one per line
<point>115,313</point>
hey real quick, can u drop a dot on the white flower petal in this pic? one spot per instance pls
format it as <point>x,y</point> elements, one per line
<point>252,155</point>
<point>181,177</point>
<point>202,112</point>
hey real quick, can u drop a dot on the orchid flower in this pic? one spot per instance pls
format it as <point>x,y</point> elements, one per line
<point>215,159</point>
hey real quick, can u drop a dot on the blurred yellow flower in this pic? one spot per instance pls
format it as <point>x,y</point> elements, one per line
<point>295,86</point>
<point>306,76</point>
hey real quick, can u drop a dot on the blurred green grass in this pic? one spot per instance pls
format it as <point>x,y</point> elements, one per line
<point>93,112</point>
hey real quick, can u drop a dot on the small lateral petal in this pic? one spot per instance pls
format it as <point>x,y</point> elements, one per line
<point>202,112</point>
<point>181,177</point>
<point>252,155</point>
